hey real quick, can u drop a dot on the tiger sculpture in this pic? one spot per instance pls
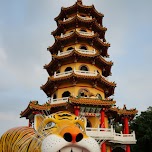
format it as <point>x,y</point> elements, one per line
<point>58,132</point>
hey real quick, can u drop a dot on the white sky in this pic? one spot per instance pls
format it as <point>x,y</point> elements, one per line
<point>25,28</point>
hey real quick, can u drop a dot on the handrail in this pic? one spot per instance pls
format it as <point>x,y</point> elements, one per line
<point>110,134</point>
<point>79,50</point>
<point>80,72</point>
<point>81,32</point>
<point>85,18</point>
<point>59,100</point>
<point>70,18</point>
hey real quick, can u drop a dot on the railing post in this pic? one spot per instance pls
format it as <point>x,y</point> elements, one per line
<point>61,35</point>
<point>54,74</point>
<point>58,53</point>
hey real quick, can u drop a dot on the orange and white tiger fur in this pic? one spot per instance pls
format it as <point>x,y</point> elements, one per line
<point>59,132</point>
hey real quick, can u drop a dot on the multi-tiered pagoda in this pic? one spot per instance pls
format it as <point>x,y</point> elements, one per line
<point>78,78</point>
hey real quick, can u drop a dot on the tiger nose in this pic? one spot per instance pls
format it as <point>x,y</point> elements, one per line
<point>71,137</point>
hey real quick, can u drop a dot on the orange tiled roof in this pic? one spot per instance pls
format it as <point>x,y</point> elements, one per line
<point>91,101</point>
<point>124,111</point>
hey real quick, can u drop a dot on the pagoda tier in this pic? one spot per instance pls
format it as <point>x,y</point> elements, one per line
<point>78,37</point>
<point>78,21</point>
<point>78,77</point>
<point>82,56</point>
<point>54,105</point>
<point>81,9</point>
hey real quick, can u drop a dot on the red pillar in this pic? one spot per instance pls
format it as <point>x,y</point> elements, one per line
<point>29,124</point>
<point>126,126</point>
<point>126,131</point>
<point>102,125</point>
<point>76,110</point>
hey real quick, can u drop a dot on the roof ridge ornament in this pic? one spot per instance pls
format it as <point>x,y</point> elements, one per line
<point>79,1</point>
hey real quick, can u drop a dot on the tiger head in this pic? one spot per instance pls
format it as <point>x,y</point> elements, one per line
<point>64,132</point>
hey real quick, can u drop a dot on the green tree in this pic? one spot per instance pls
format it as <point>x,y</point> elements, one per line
<point>142,125</point>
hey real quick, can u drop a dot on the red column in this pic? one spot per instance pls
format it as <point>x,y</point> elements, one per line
<point>76,110</point>
<point>30,124</point>
<point>126,126</point>
<point>102,125</point>
<point>126,131</point>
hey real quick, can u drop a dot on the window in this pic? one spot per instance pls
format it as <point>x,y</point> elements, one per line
<point>84,68</point>
<point>88,123</point>
<point>68,69</point>
<point>70,48</point>
<point>83,30</point>
<point>54,96</point>
<point>83,47</point>
<point>66,94</point>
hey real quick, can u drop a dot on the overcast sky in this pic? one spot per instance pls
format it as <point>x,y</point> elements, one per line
<point>25,27</point>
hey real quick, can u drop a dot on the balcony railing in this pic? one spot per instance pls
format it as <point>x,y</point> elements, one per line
<point>81,32</point>
<point>109,134</point>
<point>79,50</point>
<point>85,18</point>
<point>70,18</point>
<point>65,35</point>
<point>86,51</point>
<point>89,73</point>
<point>80,72</point>
<point>66,73</point>
<point>85,33</point>
<point>59,100</point>
<point>65,52</point>
<point>100,133</point>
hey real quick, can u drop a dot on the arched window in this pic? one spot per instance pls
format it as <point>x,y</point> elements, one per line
<point>68,69</point>
<point>58,71</point>
<point>88,123</point>
<point>83,30</point>
<point>54,96</point>
<point>84,68</point>
<point>66,94</point>
<point>83,15</point>
<point>83,47</point>
<point>70,48</point>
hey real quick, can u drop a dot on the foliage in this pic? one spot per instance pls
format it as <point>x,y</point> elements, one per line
<point>142,125</point>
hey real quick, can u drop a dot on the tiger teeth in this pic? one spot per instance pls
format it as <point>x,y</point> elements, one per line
<point>72,149</point>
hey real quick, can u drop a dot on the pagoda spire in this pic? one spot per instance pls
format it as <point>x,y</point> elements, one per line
<point>79,1</point>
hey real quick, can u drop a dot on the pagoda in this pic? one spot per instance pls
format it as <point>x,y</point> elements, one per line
<point>78,79</point>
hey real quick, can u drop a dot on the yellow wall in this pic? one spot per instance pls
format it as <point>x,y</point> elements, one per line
<point>74,90</point>
<point>77,66</point>
<point>95,122</point>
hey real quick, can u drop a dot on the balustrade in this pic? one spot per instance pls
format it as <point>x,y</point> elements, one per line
<point>79,50</point>
<point>110,134</point>
<point>80,72</point>
<point>59,100</point>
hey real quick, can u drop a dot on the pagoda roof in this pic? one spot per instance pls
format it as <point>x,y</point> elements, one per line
<point>98,60</point>
<point>35,106</point>
<point>77,21</point>
<point>91,101</point>
<point>124,112</point>
<point>53,83</point>
<point>76,37</point>
<point>78,7</point>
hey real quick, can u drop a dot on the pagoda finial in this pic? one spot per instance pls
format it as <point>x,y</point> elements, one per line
<point>79,1</point>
